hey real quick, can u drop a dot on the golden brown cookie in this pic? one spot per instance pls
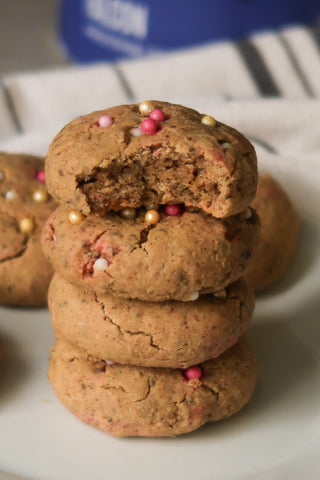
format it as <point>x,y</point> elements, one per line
<point>168,334</point>
<point>138,401</point>
<point>120,157</point>
<point>279,234</point>
<point>176,258</point>
<point>25,205</point>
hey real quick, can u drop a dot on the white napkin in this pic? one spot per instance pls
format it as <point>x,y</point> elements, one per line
<point>230,81</point>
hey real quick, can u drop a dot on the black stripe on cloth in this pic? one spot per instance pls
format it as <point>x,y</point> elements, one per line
<point>258,69</point>
<point>315,34</point>
<point>124,82</point>
<point>263,144</point>
<point>296,66</point>
<point>11,108</point>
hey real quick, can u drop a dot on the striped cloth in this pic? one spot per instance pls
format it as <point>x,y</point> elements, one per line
<point>285,63</point>
<point>267,86</point>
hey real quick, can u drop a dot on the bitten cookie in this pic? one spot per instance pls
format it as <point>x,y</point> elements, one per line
<point>176,258</point>
<point>152,153</point>
<point>279,234</point>
<point>138,401</point>
<point>24,206</point>
<point>170,334</point>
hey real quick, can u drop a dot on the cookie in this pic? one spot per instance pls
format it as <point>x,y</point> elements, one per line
<point>125,400</point>
<point>25,273</point>
<point>120,157</point>
<point>168,334</point>
<point>176,258</point>
<point>279,234</point>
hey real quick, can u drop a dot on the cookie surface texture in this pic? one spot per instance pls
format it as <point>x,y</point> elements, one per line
<point>138,401</point>
<point>168,334</point>
<point>172,259</point>
<point>280,225</point>
<point>25,205</point>
<point>95,166</point>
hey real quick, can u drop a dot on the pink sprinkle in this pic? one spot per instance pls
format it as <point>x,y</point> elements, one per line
<point>193,372</point>
<point>149,126</point>
<point>41,176</point>
<point>157,115</point>
<point>173,210</point>
<point>105,121</point>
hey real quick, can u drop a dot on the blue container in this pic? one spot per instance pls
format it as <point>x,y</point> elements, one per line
<point>94,30</point>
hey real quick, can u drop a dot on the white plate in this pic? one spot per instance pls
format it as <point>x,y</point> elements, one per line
<point>277,436</point>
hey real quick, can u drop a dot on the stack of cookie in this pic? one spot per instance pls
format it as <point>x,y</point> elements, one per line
<point>149,243</point>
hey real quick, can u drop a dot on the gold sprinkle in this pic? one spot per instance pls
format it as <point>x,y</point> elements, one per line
<point>128,213</point>
<point>209,121</point>
<point>152,217</point>
<point>75,217</point>
<point>145,108</point>
<point>40,196</point>
<point>26,225</point>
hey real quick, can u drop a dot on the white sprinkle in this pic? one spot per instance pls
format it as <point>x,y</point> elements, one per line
<point>247,213</point>
<point>226,145</point>
<point>109,362</point>
<point>100,265</point>
<point>54,238</point>
<point>194,296</point>
<point>10,195</point>
<point>136,132</point>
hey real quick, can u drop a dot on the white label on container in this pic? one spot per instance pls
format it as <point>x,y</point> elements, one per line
<point>120,16</point>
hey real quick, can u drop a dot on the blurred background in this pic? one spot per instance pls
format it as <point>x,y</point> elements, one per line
<point>28,35</point>
<point>45,33</point>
